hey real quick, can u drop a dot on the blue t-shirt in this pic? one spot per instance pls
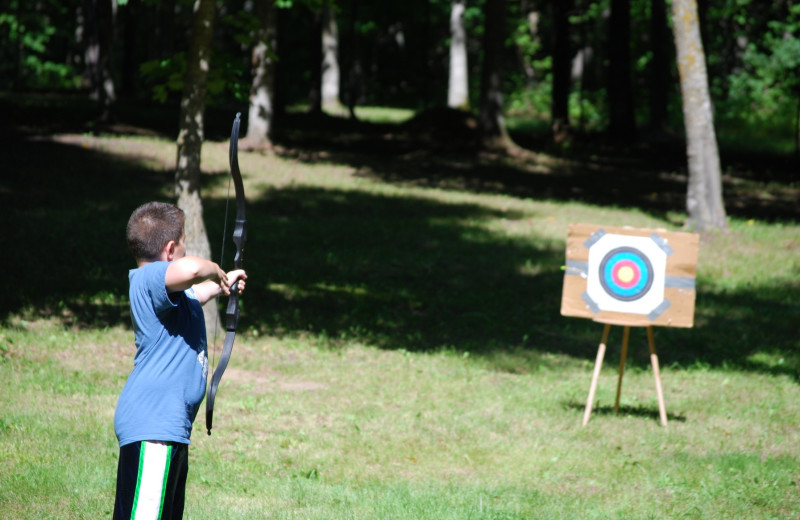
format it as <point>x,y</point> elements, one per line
<point>163,393</point>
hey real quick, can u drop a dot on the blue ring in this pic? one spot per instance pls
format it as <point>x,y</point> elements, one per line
<point>645,273</point>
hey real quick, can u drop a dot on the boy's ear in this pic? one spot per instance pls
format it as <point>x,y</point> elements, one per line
<point>169,251</point>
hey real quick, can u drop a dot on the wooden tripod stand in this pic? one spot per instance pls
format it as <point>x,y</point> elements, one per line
<point>601,351</point>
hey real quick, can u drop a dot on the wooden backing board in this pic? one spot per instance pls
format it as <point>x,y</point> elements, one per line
<point>681,264</point>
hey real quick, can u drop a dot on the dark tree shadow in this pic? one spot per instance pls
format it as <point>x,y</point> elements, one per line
<point>441,149</point>
<point>64,212</point>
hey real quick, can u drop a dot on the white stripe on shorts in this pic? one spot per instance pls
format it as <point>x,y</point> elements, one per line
<point>152,479</point>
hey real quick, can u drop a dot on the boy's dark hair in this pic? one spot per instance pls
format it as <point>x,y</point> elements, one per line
<point>151,226</point>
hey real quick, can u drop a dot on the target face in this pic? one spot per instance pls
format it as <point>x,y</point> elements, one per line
<point>626,274</point>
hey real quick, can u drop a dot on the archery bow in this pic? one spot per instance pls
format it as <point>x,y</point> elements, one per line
<point>232,311</point>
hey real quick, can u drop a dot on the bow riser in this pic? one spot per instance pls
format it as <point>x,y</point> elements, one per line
<point>232,311</point>
<point>239,238</point>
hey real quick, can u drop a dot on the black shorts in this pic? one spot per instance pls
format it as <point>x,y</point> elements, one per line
<point>151,480</point>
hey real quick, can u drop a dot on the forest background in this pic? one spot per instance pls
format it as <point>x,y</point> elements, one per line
<point>619,55</point>
<point>401,352</point>
<point>576,67</point>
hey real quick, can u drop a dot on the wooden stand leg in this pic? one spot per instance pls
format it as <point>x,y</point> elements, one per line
<point>598,364</point>
<point>662,411</point>
<point>626,334</point>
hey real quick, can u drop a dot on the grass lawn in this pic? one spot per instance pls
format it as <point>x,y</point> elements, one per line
<point>401,354</point>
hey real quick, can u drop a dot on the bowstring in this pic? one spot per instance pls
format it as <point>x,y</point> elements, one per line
<point>221,261</point>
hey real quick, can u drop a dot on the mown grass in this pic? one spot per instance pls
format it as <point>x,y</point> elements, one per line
<point>401,352</point>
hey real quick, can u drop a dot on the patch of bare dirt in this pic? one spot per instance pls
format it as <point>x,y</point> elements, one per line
<point>271,381</point>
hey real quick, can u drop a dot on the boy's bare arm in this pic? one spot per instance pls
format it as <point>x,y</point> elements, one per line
<point>207,290</point>
<point>191,270</point>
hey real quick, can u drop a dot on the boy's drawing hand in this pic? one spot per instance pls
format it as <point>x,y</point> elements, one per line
<point>216,281</point>
<point>224,283</point>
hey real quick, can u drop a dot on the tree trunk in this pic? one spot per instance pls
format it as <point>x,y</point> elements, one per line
<point>19,49</point>
<point>107,11</point>
<point>262,91</point>
<point>130,22</point>
<point>528,12</point>
<point>659,67</point>
<point>164,20</point>
<point>354,76</point>
<point>620,92</point>
<point>424,60</point>
<point>315,92</point>
<point>491,123</point>
<point>190,138</point>
<point>330,58</point>
<point>458,85</point>
<point>704,194</point>
<point>559,108</point>
<point>99,41</point>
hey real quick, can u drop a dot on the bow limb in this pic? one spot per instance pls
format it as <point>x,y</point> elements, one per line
<point>232,311</point>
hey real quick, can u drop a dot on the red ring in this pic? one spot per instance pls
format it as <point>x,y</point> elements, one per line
<point>637,274</point>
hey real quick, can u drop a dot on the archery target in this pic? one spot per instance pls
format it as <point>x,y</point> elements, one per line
<point>637,277</point>
<point>626,274</point>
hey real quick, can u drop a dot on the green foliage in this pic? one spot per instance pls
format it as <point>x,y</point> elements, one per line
<point>49,75</point>
<point>752,51</point>
<point>164,76</point>
<point>534,102</point>
<point>31,53</point>
<point>245,27</point>
<point>768,84</point>
<point>528,44</point>
<point>228,80</point>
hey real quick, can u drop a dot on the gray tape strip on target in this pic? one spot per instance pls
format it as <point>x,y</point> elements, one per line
<point>662,243</point>
<point>680,282</point>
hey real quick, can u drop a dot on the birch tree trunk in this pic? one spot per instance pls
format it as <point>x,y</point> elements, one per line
<point>330,58</point>
<point>704,192</point>
<point>458,86</point>
<point>190,138</point>
<point>262,91</point>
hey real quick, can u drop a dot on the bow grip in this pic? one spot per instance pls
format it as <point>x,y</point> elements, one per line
<point>239,238</point>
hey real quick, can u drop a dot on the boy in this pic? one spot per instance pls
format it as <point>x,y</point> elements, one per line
<point>155,411</point>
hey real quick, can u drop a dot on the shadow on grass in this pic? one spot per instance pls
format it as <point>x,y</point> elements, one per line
<point>398,273</point>
<point>647,412</point>
<point>441,149</point>
<point>64,212</point>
